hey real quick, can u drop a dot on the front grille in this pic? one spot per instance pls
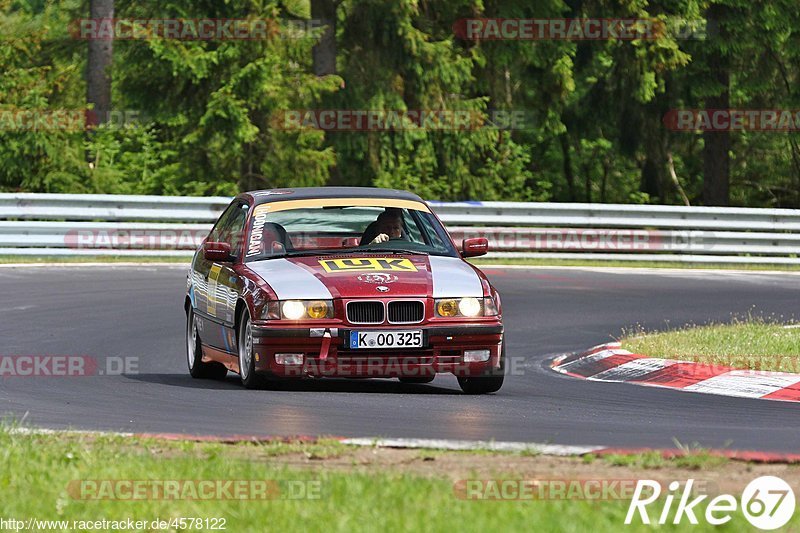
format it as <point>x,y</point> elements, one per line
<point>365,312</point>
<point>406,312</point>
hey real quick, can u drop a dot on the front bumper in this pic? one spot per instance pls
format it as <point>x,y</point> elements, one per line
<point>326,352</point>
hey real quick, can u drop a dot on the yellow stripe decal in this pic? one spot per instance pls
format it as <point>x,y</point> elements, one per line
<point>211,296</point>
<point>285,205</point>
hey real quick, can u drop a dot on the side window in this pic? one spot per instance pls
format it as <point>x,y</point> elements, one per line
<point>236,230</point>
<point>411,227</point>
<point>431,231</point>
<point>216,234</point>
<point>230,227</point>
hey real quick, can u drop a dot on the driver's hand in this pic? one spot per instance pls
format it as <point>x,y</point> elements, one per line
<point>380,238</point>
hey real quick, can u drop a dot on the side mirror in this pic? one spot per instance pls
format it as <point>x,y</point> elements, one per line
<point>217,251</point>
<point>474,247</point>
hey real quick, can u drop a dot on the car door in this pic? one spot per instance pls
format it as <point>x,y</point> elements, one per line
<point>217,290</point>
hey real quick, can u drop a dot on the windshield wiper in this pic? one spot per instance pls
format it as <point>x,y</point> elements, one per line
<point>344,251</point>
<point>401,251</point>
<point>307,253</point>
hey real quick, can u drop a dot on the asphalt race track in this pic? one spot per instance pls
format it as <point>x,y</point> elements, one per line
<point>118,312</point>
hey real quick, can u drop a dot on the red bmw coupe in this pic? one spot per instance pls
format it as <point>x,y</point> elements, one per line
<point>340,282</point>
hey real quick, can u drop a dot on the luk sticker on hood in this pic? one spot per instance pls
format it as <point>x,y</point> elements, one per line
<point>371,264</point>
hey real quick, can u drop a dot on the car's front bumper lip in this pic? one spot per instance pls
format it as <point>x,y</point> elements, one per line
<point>339,332</point>
<point>327,354</point>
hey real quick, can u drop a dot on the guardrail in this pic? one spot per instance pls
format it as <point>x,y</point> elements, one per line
<point>66,224</point>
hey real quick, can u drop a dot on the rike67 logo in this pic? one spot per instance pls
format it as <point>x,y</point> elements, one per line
<point>767,503</point>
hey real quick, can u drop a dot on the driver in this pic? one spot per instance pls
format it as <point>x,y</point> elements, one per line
<point>389,225</point>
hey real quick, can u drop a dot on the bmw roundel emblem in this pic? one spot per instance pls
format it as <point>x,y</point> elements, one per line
<point>382,288</point>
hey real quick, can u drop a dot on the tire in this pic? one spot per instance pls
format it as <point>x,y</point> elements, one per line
<point>417,381</point>
<point>247,361</point>
<point>485,384</point>
<point>199,369</point>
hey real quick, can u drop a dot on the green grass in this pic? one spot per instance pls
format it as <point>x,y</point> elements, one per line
<point>647,460</point>
<point>36,470</point>
<point>693,460</point>
<point>751,343</point>
<point>318,449</point>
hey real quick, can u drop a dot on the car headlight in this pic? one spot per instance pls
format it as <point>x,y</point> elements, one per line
<point>469,307</point>
<point>447,307</point>
<point>318,309</point>
<point>293,310</point>
<point>298,310</point>
<point>465,307</point>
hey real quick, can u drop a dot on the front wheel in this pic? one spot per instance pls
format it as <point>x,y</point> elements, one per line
<point>247,360</point>
<point>199,369</point>
<point>485,384</point>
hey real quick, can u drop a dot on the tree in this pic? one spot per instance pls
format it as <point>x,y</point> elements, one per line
<point>210,110</point>
<point>717,144</point>
<point>98,70</point>
<point>324,51</point>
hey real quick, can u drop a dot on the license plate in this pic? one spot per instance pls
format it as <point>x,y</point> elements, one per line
<point>386,339</point>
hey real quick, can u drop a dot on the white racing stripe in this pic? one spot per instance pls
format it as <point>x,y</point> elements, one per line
<point>453,278</point>
<point>745,383</point>
<point>632,370</point>
<point>290,281</point>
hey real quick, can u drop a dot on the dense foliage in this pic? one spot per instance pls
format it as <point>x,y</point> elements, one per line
<point>205,110</point>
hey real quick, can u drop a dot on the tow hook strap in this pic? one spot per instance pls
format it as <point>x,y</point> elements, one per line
<point>326,344</point>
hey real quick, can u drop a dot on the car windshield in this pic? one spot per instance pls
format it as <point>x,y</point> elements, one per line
<point>277,231</point>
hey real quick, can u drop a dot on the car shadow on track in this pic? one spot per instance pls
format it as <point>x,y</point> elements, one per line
<point>383,386</point>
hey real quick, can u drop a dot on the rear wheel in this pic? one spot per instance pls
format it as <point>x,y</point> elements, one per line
<point>488,383</point>
<point>194,353</point>
<point>247,360</point>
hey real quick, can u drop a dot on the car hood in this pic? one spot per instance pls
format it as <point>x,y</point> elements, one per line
<point>368,276</point>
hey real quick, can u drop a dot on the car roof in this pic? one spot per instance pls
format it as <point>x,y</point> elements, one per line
<point>307,193</point>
